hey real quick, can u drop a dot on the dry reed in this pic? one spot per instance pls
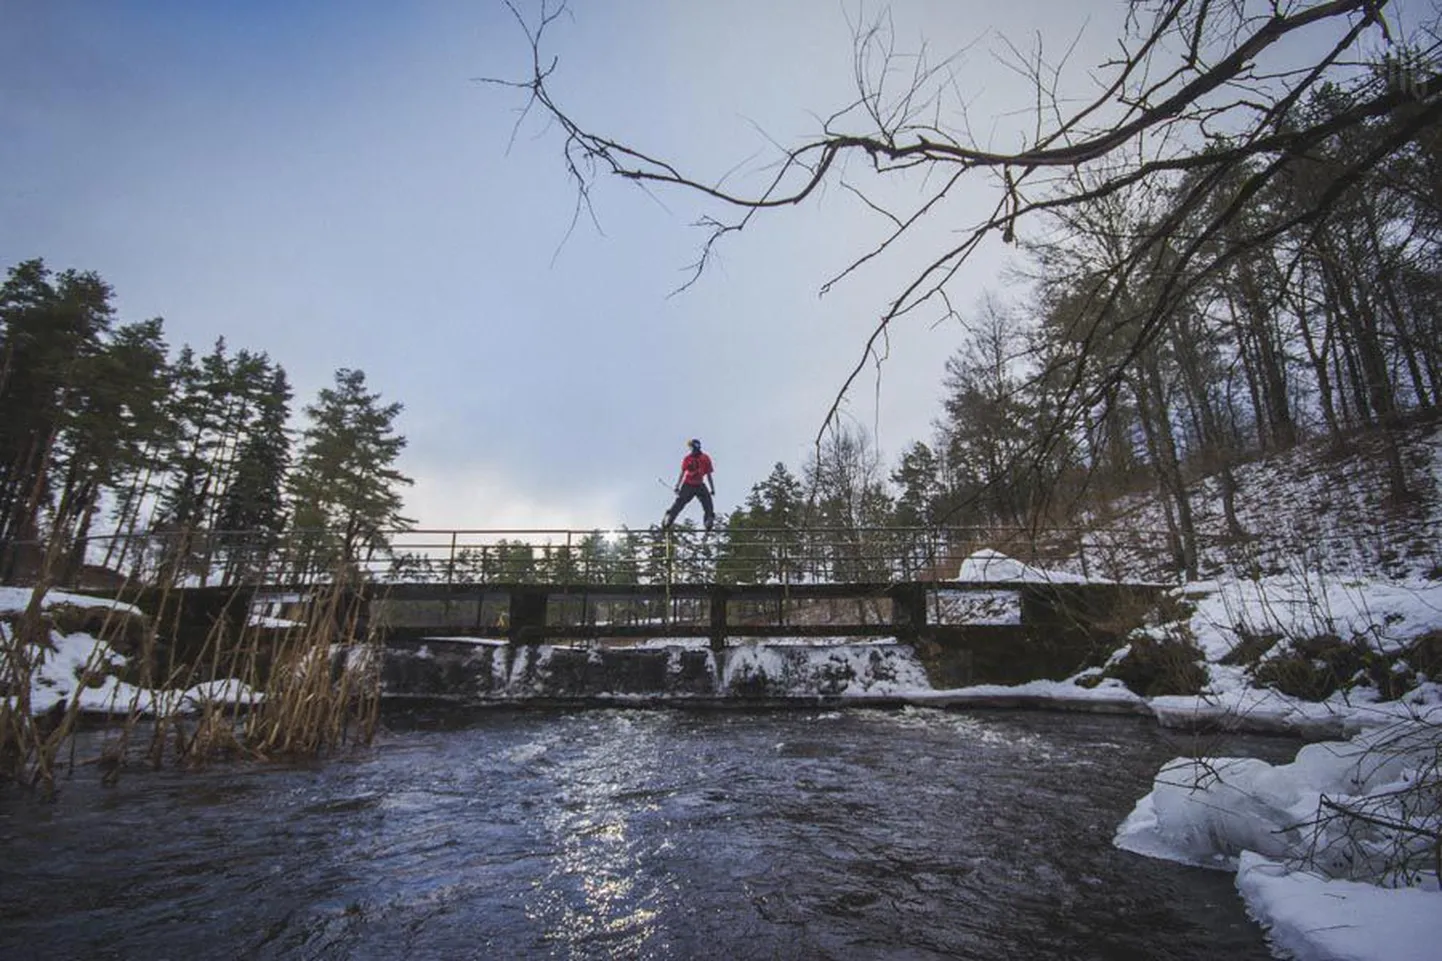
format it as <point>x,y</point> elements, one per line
<point>247,691</point>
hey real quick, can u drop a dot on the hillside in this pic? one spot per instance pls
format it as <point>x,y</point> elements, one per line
<point>1317,508</point>
<point>1333,598</point>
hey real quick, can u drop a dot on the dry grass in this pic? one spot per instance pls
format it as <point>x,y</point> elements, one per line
<point>1160,663</point>
<point>244,691</point>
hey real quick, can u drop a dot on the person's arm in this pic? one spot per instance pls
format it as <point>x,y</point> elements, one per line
<point>676,487</point>
<point>711,476</point>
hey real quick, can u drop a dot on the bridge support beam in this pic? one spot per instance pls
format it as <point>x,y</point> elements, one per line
<point>908,610</point>
<point>527,614</point>
<point>720,596</point>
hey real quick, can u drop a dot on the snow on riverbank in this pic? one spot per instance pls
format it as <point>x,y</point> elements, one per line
<point>1304,604</point>
<point>1312,918</point>
<point>76,668</point>
<point>14,600</point>
<point>1325,888</point>
<point>56,681</point>
<point>1323,884</point>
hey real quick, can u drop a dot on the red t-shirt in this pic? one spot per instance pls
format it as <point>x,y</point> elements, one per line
<point>694,468</point>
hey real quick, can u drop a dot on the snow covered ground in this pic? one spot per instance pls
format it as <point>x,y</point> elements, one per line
<point>13,600</point>
<point>989,566</point>
<point>78,668</point>
<point>55,680</point>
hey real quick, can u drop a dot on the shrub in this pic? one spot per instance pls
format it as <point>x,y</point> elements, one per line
<point>1424,655</point>
<point>1161,662</point>
<point>1250,647</point>
<point>1315,668</point>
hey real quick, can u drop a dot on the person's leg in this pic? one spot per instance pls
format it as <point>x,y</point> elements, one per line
<point>706,506</point>
<point>682,499</point>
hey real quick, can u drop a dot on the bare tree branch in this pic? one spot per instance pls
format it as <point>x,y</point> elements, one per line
<point>1194,92</point>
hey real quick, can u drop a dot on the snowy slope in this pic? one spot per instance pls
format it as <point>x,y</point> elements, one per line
<point>1314,507</point>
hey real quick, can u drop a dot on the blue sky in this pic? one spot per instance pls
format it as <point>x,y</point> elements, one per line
<point>327,182</point>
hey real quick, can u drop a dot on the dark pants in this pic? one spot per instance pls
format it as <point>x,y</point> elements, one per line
<point>683,497</point>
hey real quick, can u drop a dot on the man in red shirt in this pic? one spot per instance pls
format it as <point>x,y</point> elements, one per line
<point>693,481</point>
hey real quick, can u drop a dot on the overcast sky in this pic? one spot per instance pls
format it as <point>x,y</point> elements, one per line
<point>327,182</point>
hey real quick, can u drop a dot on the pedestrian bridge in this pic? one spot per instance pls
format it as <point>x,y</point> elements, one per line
<point>993,631</point>
<point>528,586</point>
<point>619,585</point>
<point>623,588</point>
<point>531,613</point>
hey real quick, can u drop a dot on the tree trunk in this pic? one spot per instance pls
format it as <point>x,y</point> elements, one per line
<point>1318,358</point>
<point>1156,426</point>
<point>1268,361</point>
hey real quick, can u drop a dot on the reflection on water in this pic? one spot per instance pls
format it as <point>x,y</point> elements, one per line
<point>910,834</point>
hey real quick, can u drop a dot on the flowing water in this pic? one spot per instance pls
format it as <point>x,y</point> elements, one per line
<point>660,834</point>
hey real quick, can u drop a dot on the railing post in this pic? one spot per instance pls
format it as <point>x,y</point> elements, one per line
<point>669,547</point>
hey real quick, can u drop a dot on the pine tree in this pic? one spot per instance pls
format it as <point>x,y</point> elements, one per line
<point>345,486</point>
<point>50,329</point>
<point>596,559</point>
<point>918,476</point>
<point>219,405</point>
<point>845,482</point>
<point>761,541</point>
<point>988,413</point>
<point>114,412</point>
<point>515,562</point>
<point>252,511</point>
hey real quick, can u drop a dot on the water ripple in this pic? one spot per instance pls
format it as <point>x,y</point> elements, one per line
<point>630,834</point>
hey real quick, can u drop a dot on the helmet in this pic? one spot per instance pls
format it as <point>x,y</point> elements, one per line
<point>695,444</point>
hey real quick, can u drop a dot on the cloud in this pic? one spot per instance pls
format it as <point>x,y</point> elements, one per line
<point>487,497</point>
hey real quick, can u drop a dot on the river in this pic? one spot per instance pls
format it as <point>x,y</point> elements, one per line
<point>648,834</point>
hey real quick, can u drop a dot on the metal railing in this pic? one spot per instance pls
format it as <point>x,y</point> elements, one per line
<point>742,555</point>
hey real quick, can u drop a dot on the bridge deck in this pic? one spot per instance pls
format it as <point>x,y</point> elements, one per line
<point>693,589</point>
<point>529,613</point>
<point>703,589</point>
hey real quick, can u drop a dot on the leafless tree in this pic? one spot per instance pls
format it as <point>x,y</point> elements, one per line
<point>1209,89</point>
